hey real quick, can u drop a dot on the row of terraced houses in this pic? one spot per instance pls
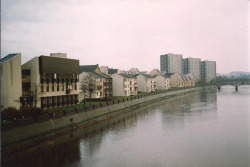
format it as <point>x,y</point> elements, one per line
<point>54,81</point>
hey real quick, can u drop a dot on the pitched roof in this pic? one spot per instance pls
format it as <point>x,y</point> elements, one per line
<point>147,76</point>
<point>127,76</point>
<point>9,57</point>
<point>169,74</point>
<point>98,75</point>
<point>112,71</point>
<point>161,76</point>
<point>88,68</point>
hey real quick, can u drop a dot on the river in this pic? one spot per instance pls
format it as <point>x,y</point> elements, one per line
<point>205,129</point>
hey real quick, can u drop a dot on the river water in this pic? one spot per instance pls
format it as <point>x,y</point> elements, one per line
<point>205,129</point>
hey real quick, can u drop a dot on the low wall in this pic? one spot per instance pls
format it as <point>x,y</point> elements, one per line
<point>25,132</point>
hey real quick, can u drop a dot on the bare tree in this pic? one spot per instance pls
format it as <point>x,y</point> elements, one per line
<point>35,92</point>
<point>88,85</point>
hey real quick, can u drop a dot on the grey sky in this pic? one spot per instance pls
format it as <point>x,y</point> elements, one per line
<point>129,33</point>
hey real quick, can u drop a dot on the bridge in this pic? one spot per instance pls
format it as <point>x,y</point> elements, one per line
<point>234,82</point>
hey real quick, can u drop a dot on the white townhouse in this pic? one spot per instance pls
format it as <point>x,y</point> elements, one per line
<point>124,84</point>
<point>192,78</point>
<point>146,83</point>
<point>162,82</point>
<point>181,80</point>
<point>102,85</point>
<point>176,80</point>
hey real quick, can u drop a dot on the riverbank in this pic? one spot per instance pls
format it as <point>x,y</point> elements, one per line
<point>81,118</point>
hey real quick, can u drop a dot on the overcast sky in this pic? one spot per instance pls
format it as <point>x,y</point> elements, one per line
<point>128,33</point>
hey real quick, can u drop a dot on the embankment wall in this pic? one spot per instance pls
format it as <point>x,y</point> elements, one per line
<point>83,117</point>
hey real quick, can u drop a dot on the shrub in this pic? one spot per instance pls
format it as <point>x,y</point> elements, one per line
<point>11,113</point>
<point>105,99</point>
<point>32,112</point>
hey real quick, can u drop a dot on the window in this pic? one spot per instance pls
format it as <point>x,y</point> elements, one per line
<point>75,86</point>
<point>42,88</point>
<point>57,87</point>
<point>47,87</point>
<point>62,87</point>
<point>100,93</point>
<point>53,88</point>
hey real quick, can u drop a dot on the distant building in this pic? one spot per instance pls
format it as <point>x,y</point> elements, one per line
<point>192,65</point>
<point>56,78</point>
<point>124,84</point>
<point>146,83</point>
<point>11,80</point>
<point>162,82</point>
<point>171,63</point>
<point>208,71</point>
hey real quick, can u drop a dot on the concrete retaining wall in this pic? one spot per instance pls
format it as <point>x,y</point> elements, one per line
<point>80,117</point>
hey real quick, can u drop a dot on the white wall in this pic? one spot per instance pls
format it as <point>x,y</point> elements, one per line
<point>11,82</point>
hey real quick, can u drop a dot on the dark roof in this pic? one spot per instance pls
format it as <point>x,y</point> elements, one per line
<point>112,71</point>
<point>48,64</point>
<point>169,74</point>
<point>88,68</point>
<point>146,75</point>
<point>127,76</point>
<point>162,76</point>
<point>9,57</point>
<point>98,75</point>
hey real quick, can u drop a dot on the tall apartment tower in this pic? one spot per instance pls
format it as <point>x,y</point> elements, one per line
<point>171,63</point>
<point>192,65</point>
<point>208,71</point>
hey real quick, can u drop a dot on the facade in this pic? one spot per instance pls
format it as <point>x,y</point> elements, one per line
<point>146,83</point>
<point>192,65</point>
<point>102,85</point>
<point>124,85</point>
<point>54,77</point>
<point>154,72</point>
<point>162,82</point>
<point>11,80</point>
<point>171,63</point>
<point>208,71</point>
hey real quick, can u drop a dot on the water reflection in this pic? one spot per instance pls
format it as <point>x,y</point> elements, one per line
<point>198,129</point>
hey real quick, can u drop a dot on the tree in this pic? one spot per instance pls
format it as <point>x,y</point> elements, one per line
<point>88,85</point>
<point>35,92</point>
